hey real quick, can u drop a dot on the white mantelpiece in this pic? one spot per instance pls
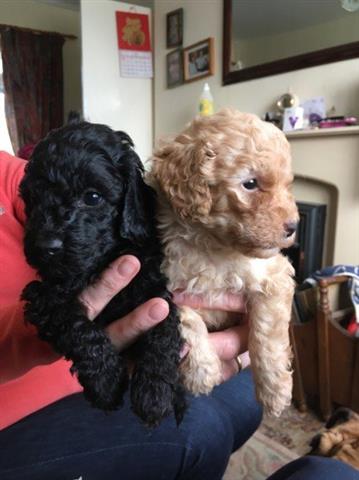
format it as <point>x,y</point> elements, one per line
<point>326,165</point>
<point>324,132</point>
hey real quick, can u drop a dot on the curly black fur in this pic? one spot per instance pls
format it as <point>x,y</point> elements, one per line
<point>87,204</point>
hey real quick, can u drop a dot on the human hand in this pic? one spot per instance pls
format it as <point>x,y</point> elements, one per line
<point>231,342</point>
<point>114,278</point>
<point>23,351</point>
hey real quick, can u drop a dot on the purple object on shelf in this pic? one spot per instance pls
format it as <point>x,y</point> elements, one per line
<point>314,118</point>
<point>338,122</point>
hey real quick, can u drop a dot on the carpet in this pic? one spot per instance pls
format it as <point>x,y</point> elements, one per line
<point>293,429</point>
<point>277,442</point>
<point>258,458</point>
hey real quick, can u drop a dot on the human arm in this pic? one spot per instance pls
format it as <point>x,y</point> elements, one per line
<point>20,348</point>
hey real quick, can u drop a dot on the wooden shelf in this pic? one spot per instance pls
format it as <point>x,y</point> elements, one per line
<point>323,132</point>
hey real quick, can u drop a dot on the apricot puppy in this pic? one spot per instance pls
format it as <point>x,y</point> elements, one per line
<point>225,212</point>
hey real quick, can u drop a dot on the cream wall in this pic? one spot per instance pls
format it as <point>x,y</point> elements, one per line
<point>333,161</point>
<point>337,82</point>
<point>326,169</point>
<point>122,103</point>
<point>31,14</point>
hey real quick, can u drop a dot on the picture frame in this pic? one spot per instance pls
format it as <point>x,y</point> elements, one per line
<point>174,68</point>
<point>174,24</point>
<point>198,60</point>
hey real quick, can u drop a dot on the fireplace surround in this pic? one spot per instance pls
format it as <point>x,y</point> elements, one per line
<point>326,171</point>
<point>306,255</point>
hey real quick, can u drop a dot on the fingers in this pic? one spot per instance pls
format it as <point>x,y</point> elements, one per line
<point>125,331</point>
<point>116,277</point>
<point>226,302</point>
<point>231,367</point>
<point>231,342</point>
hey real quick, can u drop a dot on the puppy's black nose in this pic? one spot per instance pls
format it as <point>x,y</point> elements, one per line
<point>51,246</point>
<point>290,228</point>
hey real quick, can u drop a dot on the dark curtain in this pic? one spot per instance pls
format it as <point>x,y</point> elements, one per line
<point>33,83</point>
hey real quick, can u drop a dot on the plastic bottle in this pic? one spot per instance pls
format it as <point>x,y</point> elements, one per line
<point>206,101</point>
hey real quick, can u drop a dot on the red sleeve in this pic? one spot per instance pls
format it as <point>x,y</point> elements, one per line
<point>20,348</point>
<point>12,177</point>
<point>30,376</point>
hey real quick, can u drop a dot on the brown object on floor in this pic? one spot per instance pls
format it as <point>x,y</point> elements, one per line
<point>277,442</point>
<point>341,438</point>
<point>326,356</point>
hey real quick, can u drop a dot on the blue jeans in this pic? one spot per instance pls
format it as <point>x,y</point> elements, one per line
<point>316,468</point>
<point>69,439</point>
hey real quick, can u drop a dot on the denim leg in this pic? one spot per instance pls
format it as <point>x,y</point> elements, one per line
<point>236,400</point>
<point>69,439</point>
<point>218,425</point>
<point>316,468</point>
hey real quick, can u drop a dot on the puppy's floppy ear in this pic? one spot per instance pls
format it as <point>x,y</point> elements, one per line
<point>181,169</point>
<point>138,207</point>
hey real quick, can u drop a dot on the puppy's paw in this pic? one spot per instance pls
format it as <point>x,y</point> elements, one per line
<point>32,291</point>
<point>105,386</point>
<point>180,403</point>
<point>277,396</point>
<point>36,310</point>
<point>201,375</point>
<point>152,398</point>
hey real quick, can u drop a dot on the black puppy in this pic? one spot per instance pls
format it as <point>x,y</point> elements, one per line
<point>86,204</point>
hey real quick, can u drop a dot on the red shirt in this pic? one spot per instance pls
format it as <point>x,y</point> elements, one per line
<point>28,381</point>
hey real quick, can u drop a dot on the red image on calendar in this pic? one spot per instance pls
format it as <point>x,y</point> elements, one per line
<point>133,31</point>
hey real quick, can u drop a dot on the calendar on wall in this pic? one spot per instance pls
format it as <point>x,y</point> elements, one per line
<point>134,45</point>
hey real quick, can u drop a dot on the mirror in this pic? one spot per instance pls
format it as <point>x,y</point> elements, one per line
<point>262,37</point>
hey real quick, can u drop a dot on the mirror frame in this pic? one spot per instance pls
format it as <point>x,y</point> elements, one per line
<point>311,59</point>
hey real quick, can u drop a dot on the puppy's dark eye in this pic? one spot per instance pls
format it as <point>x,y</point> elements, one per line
<point>250,184</point>
<point>92,198</point>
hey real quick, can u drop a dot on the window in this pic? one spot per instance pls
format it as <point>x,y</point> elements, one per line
<point>5,143</point>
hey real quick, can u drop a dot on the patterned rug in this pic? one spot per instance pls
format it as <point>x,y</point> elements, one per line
<point>294,429</point>
<point>276,443</point>
<point>257,459</point>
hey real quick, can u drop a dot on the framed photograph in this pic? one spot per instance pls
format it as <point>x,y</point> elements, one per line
<point>175,68</point>
<point>198,60</point>
<point>175,28</point>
